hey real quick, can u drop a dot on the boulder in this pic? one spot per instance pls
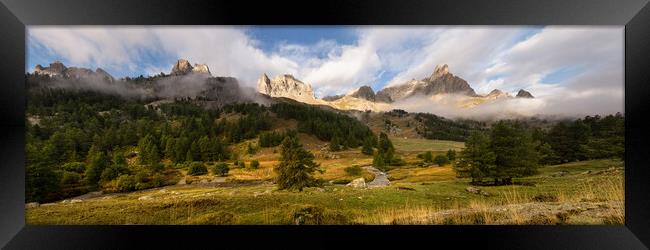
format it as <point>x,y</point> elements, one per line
<point>75,201</point>
<point>473,190</point>
<point>357,183</point>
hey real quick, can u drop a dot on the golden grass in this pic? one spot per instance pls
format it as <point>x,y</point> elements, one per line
<point>422,174</point>
<point>513,206</point>
<point>577,198</point>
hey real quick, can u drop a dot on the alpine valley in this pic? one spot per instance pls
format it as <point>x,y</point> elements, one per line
<point>187,147</point>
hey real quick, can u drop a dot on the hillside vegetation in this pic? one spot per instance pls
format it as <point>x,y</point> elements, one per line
<point>97,158</point>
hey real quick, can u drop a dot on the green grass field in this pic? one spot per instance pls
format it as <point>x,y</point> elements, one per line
<point>429,195</point>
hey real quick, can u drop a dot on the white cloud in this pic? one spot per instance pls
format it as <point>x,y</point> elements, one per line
<point>487,57</point>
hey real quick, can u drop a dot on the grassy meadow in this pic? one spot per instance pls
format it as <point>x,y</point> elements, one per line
<point>586,192</point>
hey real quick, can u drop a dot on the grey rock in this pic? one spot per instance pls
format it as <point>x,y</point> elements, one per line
<point>524,94</point>
<point>473,190</point>
<point>440,82</point>
<point>357,183</point>
<point>286,86</point>
<point>364,92</point>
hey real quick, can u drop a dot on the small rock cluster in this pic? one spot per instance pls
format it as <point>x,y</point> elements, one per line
<point>474,190</point>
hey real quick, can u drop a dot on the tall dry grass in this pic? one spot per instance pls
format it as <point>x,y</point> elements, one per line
<point>501,210</point>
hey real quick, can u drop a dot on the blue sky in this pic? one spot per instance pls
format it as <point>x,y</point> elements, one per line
<point>337,59</point>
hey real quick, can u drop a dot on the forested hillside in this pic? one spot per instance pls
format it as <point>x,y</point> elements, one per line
<point>82,140</point>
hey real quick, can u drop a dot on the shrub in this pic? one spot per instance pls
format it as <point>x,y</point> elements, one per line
<point>397,162</point>
<point>353,170</point>
<point>157,180</point>
<point>220,169</point>
<point>125,183</point>
<point>255,164</point>
<point>441,160</point>
<point>77,167</point>
<point>451,154</point>
<point>70,177</point>
<point>241,164</point>
<point>427,157</point>
<point>197,168</point>
<point>308,215</point>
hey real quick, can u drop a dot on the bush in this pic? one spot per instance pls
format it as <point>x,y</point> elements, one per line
<point>308,215</point>
<point>397,162</point>
<point>427,157</point>
<point>451,155</point>
<point>255,164</point>
<point>125,183</point>
<point>197,168</point>
<point>241,164</point>
<point>77,167</point>
<point>220,169</point>
<point>353,170</point>
<point>70,177</point>
<point>441,160</point>
<point>157,180</point>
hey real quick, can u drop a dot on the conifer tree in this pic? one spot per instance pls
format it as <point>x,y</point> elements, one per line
<point>296,167</point>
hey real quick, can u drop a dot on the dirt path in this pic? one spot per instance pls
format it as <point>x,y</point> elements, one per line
<point>381,178</point>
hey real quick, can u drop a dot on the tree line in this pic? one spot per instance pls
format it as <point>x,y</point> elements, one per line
<point>512,149</point>
<point>79,141</point>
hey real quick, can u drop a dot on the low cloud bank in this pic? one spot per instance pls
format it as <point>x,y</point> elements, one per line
<point>569,106</point>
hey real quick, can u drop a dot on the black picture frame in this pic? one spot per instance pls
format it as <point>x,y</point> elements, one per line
<point>16,14</point>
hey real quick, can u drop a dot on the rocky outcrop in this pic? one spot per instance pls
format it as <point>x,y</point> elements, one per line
<point>331,98</point>
<point>102,73</point>
<point>496,93</point>
<point>440,82</point>
<point>524,94</point>
<point>364,92</point>
<point>201,69</point>
<point>286,86</point>
<point>57,69</point>
<point>183,67</point>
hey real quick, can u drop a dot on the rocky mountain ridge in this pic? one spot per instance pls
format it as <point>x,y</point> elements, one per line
<point>58,69</point>
<point>183,67</point>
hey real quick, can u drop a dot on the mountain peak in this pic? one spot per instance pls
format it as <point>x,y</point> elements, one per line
<point>183,67</point>
<point>495,92</point>
<point>364,92</point>
<point>57,69</point>
<point>286,86</point>
<point>524,94</point>
<point>440,70</point>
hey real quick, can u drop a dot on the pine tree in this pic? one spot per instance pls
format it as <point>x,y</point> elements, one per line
<point>296,167</point>
<point>515,151</point>
<point>378,161</point>
<point>451,155</point>
<point>335,144</point>
<point>367,147</point>
<point>477,159</point>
